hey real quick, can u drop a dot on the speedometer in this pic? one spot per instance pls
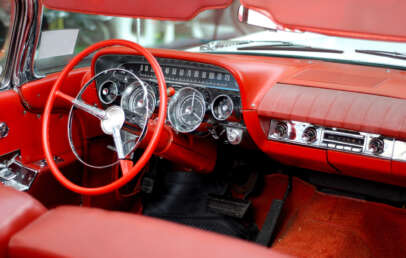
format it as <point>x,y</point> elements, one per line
<point>138,102</point>
<point>186,110</point>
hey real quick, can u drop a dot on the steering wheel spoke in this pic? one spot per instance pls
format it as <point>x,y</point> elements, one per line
<point>112,120</point>
<point>80,104</point>
<point>118,143</point>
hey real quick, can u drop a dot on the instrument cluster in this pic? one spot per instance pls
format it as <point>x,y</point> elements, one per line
<point>204,94</point>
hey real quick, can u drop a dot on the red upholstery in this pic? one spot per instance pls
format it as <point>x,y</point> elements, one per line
<point>381,20</point>
<point>88,232</point>
<point>336,108</point>
<point>157,9</point>
<point>17,209</point>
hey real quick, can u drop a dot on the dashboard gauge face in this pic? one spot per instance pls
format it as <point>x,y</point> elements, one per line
<point>222,107</point>
<point>186,110</point>
<point>108,92</point>
<point>138,103</point>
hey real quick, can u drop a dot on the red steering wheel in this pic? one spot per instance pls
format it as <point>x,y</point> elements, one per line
<point>111,119</point>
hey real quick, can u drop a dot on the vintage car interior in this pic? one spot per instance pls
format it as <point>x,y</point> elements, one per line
<point>214,140</point>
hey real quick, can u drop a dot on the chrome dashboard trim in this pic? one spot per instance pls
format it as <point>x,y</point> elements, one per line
<point>5,74</point>
<point>99,92</point>
<point>212,106</point>
<point>393,149</point>
<point>399,151</point>
<point>199,85</point>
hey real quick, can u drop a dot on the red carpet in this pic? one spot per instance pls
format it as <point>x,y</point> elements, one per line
<point>314,224</point>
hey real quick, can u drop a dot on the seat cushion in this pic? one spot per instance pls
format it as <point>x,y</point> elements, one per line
<point>17,209</point>
<point>88,232</point>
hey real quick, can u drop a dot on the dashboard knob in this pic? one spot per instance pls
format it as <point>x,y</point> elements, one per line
<point>310,134</point>
<point>170,91</point>
<point>282,130</point>
<point>376,145</point>
<point>234,135</point>
<point>3,130</point>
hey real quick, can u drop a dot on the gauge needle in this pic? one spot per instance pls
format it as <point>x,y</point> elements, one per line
<point>196,116</point>
<point>193,100</point>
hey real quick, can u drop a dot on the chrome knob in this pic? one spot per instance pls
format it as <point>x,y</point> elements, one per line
<point>309,134</point>
<point>3,130</point>
<point>376,145</point>
<point>234,135</point>
<point>282,129</point>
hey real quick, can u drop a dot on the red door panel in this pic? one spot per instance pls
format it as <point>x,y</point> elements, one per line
<point>25,135</point>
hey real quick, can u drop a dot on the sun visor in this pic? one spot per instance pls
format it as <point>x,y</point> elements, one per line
<point>154,9</point>
<point>366,19</point>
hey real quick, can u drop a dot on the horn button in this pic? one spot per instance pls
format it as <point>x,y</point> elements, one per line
<point>114,119</point>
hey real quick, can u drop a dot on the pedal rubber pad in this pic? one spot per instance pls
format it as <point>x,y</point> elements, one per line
<point>228,206</point>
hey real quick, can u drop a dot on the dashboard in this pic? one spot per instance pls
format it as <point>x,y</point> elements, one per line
<point>329,117</point>
<point>206,97</point>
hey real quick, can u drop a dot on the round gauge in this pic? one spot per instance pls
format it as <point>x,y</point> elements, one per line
<point>137,101</point>
<point>108,92</point>
<point>222,107</point>
<point>186,110</point>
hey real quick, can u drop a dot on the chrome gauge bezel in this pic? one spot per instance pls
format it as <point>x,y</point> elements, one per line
<point>99,92</point>
<point>213,107</point>
<point>175,105</point>
<point>128,137</point>
<point>129,95</point>
<point>151,99</point>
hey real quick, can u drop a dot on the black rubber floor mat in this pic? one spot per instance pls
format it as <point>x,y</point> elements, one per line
<point>183,197</point>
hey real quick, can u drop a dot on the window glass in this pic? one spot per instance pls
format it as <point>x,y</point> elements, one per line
<point>5,17</point>
<point>205,27</point>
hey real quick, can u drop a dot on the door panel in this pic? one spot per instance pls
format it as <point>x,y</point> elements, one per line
<point>25,135</point>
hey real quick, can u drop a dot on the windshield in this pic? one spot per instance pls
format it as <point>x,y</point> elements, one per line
<point>65,34</point>
<point>207,26</point>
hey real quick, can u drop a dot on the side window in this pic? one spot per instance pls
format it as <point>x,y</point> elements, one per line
<point>5,24</point>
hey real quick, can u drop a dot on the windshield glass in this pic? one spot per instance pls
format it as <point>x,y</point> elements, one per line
<point>207,26</point>
<point>65,34</point>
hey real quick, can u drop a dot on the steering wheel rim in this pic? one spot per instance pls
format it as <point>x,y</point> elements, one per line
<point>149,150</point>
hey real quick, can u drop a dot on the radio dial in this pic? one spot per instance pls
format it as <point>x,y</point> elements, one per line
<point>376,145</point>
<point>310,135</point>
<point>282,130</point>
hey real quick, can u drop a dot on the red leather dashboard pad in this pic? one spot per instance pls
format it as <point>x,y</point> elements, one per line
<point>335,108</point>
<point>338,109</point>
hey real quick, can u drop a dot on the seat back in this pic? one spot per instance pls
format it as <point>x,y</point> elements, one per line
<point>89,232</point>
<point>17,209</point>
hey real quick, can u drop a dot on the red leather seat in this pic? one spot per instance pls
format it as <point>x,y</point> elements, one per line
<point>17,209</point>
<point>87,232</point>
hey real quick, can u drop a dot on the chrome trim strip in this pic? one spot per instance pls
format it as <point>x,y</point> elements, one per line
<point>338,142</point>
<point>393,149</point>
<point>355,135</point>
<point>399,151</point>
<point>28,40</point>
<point>10,62</point>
